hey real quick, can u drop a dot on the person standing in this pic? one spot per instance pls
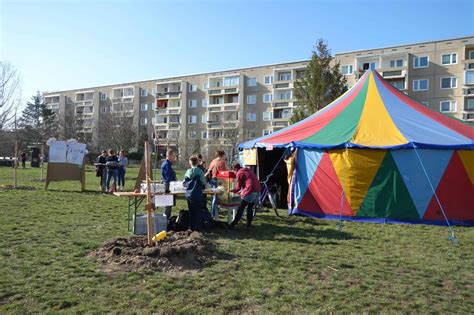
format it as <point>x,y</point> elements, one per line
<point>194,181</point>
<point>122,167</point>
<point>101,170</point>
<point>249,188</point>
<point>217,165</point>
<point>168,175</point>
<point>23,159</point>
<point>112,170</point>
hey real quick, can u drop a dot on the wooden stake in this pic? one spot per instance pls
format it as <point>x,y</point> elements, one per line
<point>15,163</point>
<point>149,206</point>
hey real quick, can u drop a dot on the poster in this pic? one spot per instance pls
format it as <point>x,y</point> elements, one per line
<point>250,156</point>
<point>57,151</point>
<point>75,152</point>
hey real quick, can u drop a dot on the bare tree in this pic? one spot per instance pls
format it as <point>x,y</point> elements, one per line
<point>116,131</point>
<point>10,93</point>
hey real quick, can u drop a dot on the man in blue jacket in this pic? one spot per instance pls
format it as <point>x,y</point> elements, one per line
<point>168,175</point>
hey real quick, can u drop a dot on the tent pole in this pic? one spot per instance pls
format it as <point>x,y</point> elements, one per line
<point>452,236</point>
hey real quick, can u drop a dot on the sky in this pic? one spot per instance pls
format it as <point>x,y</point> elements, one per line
<point>59,45</point>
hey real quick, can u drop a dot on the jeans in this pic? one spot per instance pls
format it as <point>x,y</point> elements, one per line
<point>111,173</point>
<point>168,209</point>
<point>246,202</point>
<point>103,180</point>
<point>214,208</point>
<point>195,214</point>
<point>121,177</point>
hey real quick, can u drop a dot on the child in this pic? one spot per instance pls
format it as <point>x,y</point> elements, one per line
<point>194,181</point>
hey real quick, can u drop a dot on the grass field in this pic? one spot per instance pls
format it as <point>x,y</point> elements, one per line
<point>298,265</point>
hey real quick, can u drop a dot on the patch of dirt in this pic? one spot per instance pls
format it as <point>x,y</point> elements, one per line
<point>179,252</point>
<point>11,187</point>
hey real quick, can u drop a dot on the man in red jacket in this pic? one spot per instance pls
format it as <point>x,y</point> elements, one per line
<point>249,188</point>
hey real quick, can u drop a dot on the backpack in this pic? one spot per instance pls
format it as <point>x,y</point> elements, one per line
<point>182,221</point>
<point>207,221</point>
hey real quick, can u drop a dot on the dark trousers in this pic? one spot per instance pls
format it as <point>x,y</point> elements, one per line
<point>240,211</point>
<point>195,214</point>
<point>168,209</point>
<point>121,177</point>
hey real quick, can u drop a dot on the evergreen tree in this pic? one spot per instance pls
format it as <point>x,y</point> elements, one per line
<point>37,122</point>
<point>322,83</point>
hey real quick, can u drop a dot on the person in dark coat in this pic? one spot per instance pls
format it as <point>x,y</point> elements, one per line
<point>100,170</point>
<point>112,170</point>
<point>168,175</point>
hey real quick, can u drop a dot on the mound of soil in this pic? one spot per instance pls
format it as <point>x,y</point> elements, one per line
<point>180,251</point>
<point>11,187</point>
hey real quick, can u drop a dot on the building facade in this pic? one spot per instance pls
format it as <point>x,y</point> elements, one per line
<point>210,111</point>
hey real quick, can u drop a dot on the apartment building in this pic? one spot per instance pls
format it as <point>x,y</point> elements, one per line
<point>202,112</point>
<point>209,111</point>
<point>439,74</point>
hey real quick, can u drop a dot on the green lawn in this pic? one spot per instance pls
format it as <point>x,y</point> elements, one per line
<point>280,266</point>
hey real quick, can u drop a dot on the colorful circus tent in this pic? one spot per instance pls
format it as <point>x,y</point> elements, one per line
<point>375,154</point>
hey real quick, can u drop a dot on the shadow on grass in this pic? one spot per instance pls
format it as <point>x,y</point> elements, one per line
<point>78,191</point>
<point>296,231</point>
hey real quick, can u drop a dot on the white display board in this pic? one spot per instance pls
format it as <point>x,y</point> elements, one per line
<point>164,201</point>
<point>71,151</point>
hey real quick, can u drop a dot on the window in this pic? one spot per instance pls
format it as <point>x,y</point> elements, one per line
<point>143,121</point>
<point>420,85</point>
<point>192,103</point>
<point>471,54</point>
<point>251,134</point>
<point>421,62</point>
<point>154,91</point>
<point>469,79</point>
<point>192,119</point>
<point>204,119</point>
<point>425,103</point>
<point>251,99</point>
<point>447,106</point>
<point>448,83</point>
<point>369,65</point>
<point>268,79</point>
<point>400,85</point>
<point>267,98</point>
<point>284,76</point>
<point>205,86</point>
<point>192,134</point>
<point>103,109</point>
<point>449,59</point>
<point>284,95</point>
<point>266,132</point>
<point>204,102</point>
<point>144,107</point>
<point>396,63</point>
<point>193,87</point>
<point>470,103</point>
<point>251,116</point>
<point>103,96</point>
<point>252,81</point>
<point>347,69</point>
<point>267,115</point>
<point>144,92</point>
<point>204,134</point>
<point>231,81</point>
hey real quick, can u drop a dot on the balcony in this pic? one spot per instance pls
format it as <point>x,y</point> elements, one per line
<point>168,95</point>
<point>288,85</point>
<point>394,74</point>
